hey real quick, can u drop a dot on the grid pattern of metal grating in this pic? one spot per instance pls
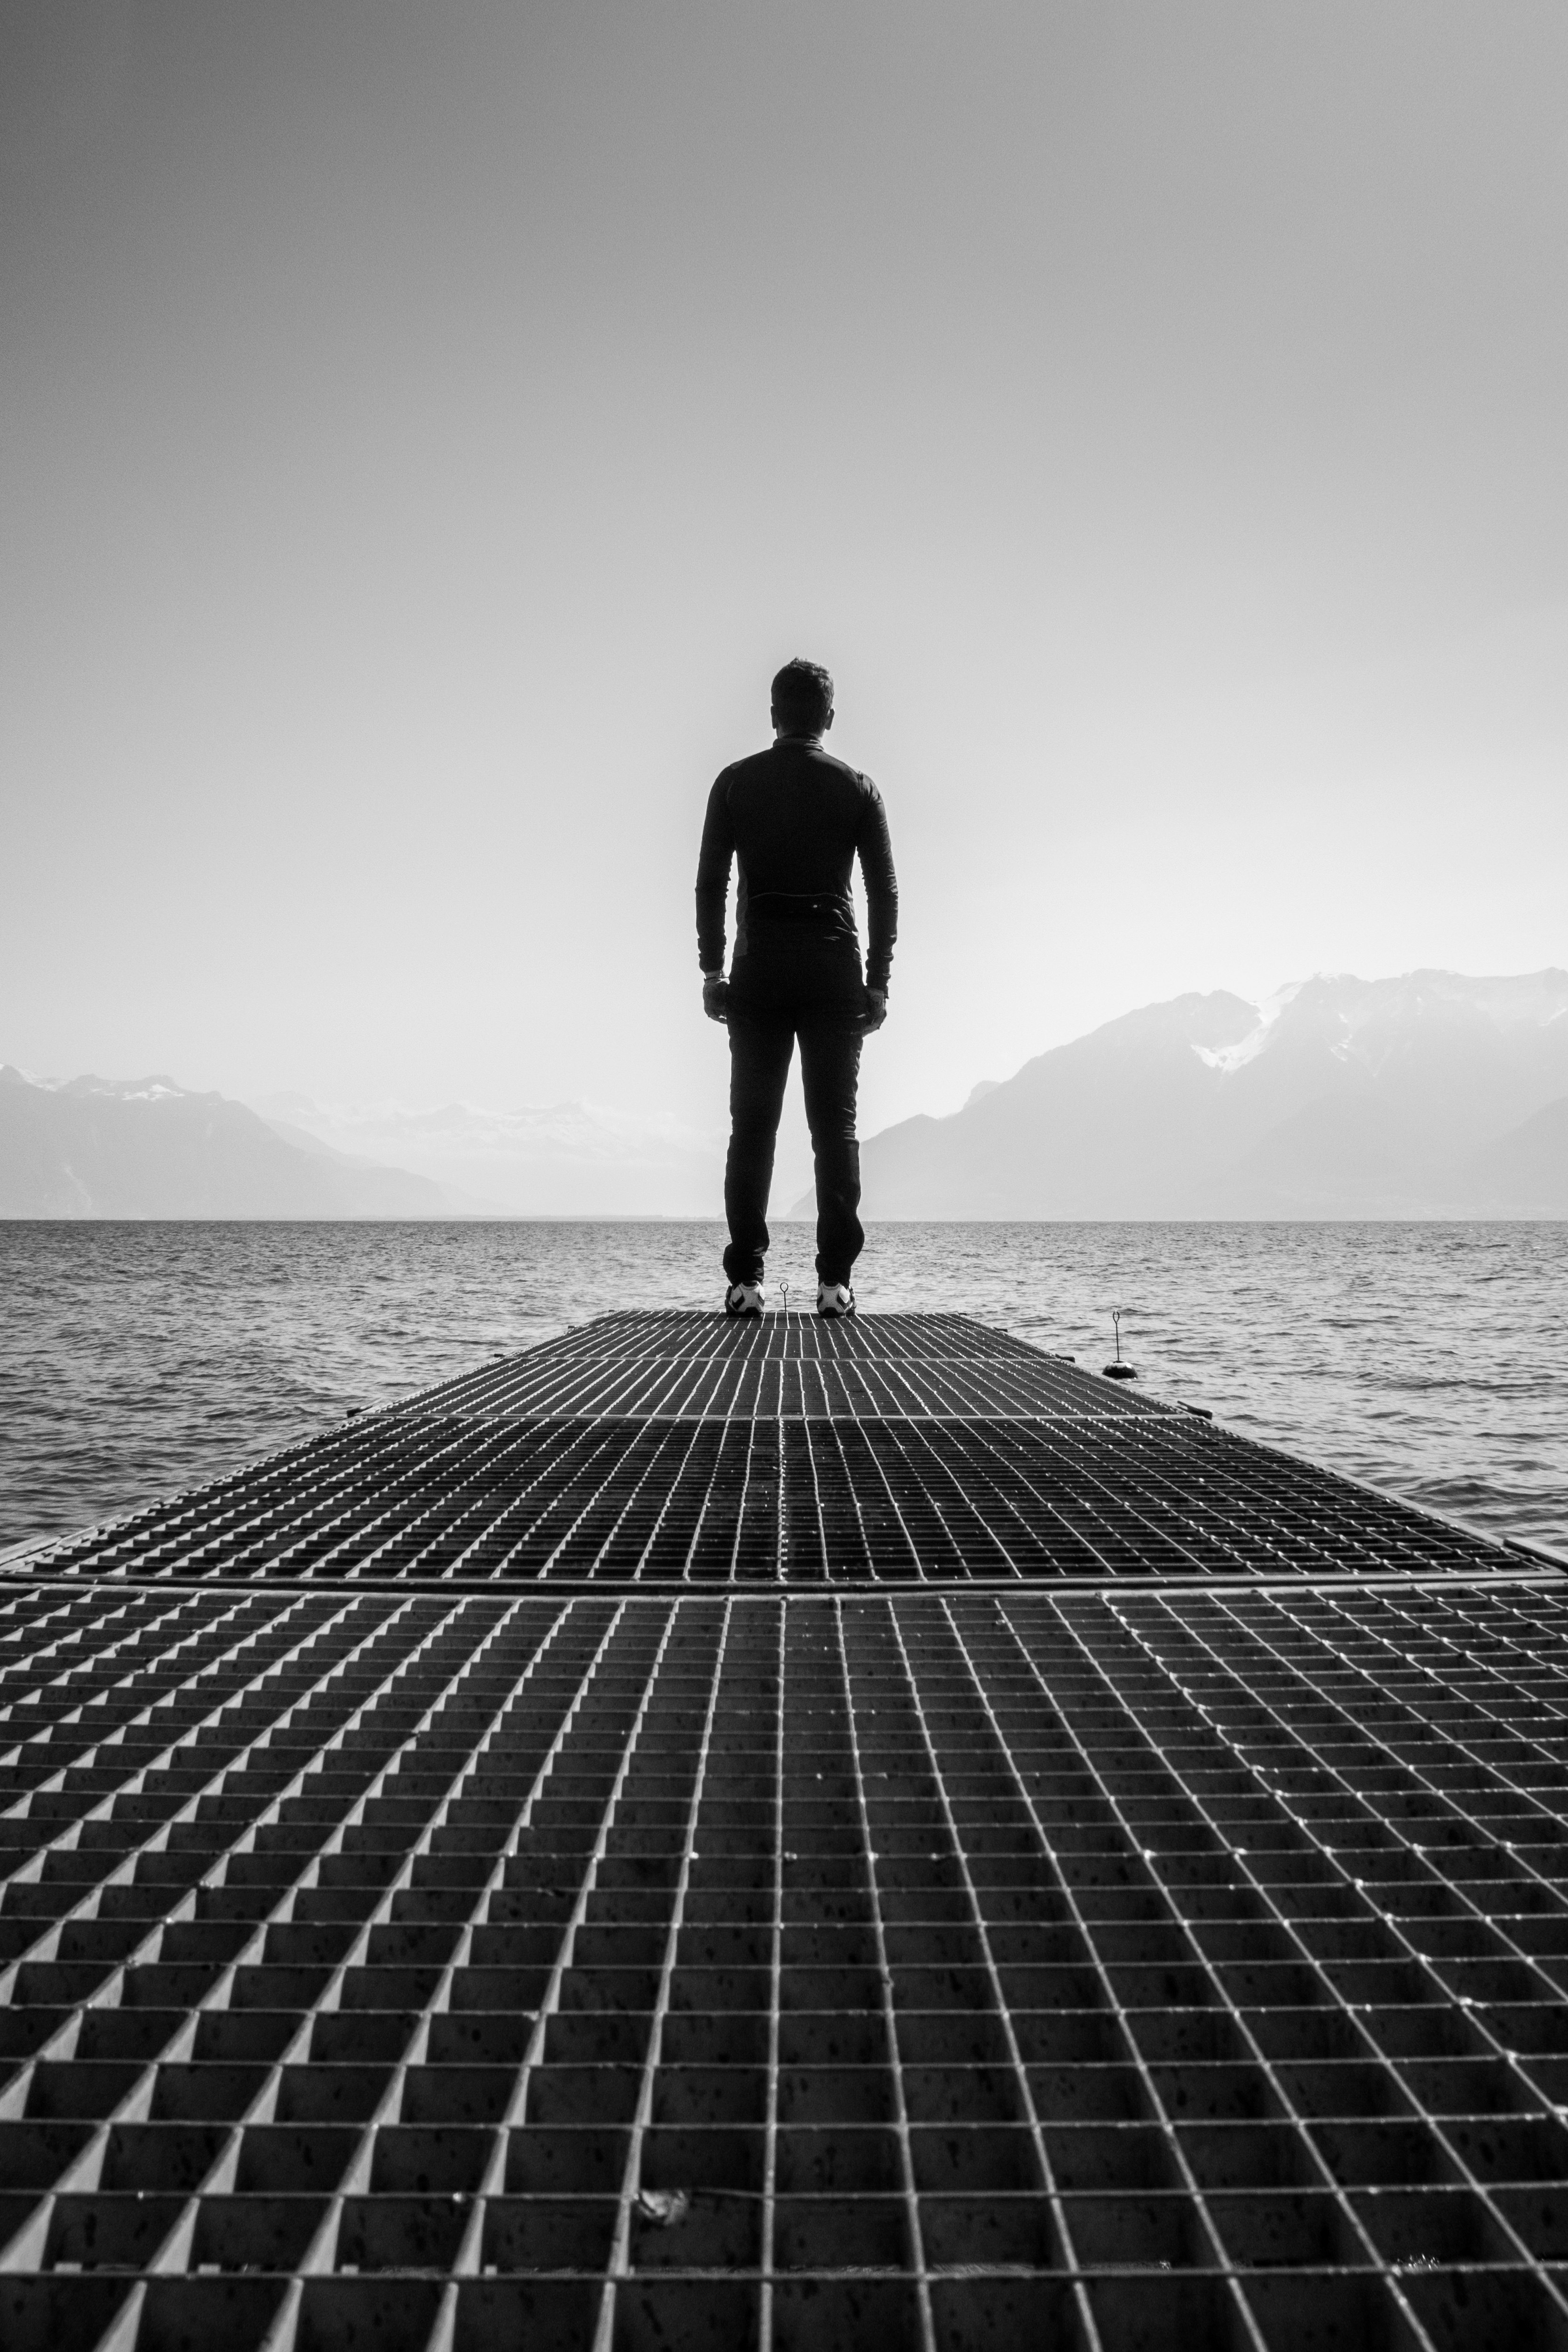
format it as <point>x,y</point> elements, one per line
<point>426,1922</point>
<point>673,1331</point>
<point>945,1969</point>
<point>982,1458</point>
<point>889,1366</point>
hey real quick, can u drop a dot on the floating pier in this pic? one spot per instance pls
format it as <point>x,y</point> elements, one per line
<point>783,1835</point>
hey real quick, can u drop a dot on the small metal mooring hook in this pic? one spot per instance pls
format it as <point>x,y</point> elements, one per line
<point>1116,1369</point>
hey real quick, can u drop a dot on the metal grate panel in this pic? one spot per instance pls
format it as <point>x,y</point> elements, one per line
<point>883,1366</point>
<point>758,1387</point>
<point>673,1331</point>
<point>795,1502</point>
<point>469,1968</point>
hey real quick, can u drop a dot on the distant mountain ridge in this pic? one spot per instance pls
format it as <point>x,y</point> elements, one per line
<point>1430,1094</point>
<point>148,1148</point>
<point>568,1159</point>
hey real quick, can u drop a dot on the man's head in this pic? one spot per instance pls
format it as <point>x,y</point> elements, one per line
<point>802,700</point>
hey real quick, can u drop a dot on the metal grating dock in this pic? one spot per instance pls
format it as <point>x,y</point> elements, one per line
<point>440,1912</point>
<point>676,1448</point>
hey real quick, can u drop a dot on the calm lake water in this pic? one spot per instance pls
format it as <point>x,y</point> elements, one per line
<point>137,1360</point>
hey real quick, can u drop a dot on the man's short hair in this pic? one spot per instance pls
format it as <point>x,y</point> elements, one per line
<point>802,698</point>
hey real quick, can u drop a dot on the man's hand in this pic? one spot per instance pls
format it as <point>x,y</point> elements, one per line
<point>875,1008</point>
<point>715,996</point>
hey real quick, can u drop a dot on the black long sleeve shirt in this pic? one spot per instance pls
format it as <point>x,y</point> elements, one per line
<point>795,819</point>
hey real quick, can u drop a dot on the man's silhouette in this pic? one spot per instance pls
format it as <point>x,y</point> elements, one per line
<point>795,820</point>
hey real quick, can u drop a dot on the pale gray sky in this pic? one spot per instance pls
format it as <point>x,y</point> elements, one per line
<point>425,428</point>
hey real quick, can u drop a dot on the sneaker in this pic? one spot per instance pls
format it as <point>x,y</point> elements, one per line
<point>743,1298</point>
<point>835,1298</point>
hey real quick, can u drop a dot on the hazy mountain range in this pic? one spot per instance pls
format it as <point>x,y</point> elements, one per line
<point>562,1160</point>
<point>1432,1095</point>
<point>148,1147</point>
<point>1429,1096</point>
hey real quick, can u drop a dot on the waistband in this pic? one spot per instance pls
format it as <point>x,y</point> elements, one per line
<point>797,906</point>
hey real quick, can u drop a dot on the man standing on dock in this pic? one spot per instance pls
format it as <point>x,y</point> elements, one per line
<point>795,819</point>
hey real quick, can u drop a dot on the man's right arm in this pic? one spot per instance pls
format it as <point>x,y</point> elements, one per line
<point>875,850</point>
<point>714,861</point>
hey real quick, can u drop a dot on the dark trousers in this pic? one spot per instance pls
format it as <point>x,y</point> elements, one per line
<point>761,1044</point>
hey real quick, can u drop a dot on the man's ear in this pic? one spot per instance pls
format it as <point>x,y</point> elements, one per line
<point>827,722</point>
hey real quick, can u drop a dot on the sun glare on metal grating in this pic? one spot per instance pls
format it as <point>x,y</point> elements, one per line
<point>468,1936</point>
